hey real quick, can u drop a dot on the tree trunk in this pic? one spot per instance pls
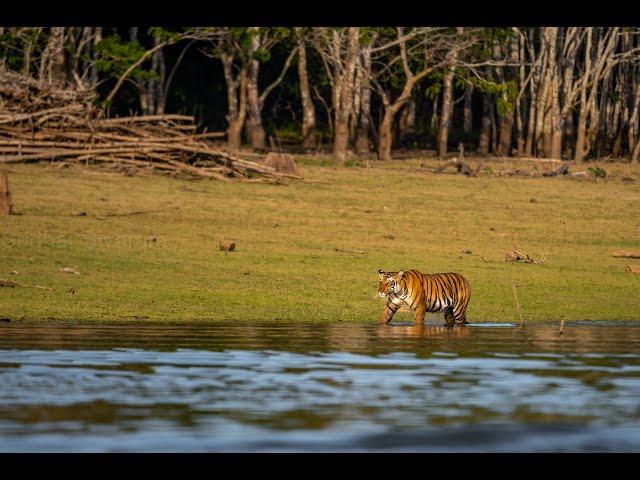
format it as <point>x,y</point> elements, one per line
<point>534,89</point>
<point>343,97</point>
<point>407,121</point>
<point>506,129</point>
<point>53,65</point>
<point>635,154</point>
<point>445,111</point>
<point>494,128</point>
<point>255,131</point>
<point>485,131</point>
<point>237,102</point>
<point>556,123</point>
<point>6,206</point>
<point>362,130</point>
<point>468,112</point>
<point>579,153</point>
<point>390,111</point>
<point>506,126</point>
<point>160,67</point>
<point>447,104</point>
<point>308,110</point>
<point>385,136</point>
<point>94,71</point>
<point>519,130</point>
<point>633,121</point>
<point>340,139</point>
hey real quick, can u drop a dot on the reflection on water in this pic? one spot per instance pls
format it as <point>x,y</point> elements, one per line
<point>338,387</point>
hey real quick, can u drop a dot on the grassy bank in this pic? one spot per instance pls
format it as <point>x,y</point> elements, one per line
<point>310,250</point>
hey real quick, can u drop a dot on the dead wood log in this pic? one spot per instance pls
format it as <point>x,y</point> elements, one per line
<point>145,118</point>
<point>626,254</point>
<point>459,166</point>
<point>12,284</point>
<point>342,250</point>
<point>42,123</point>
<point>515,255</point>
<point>528,159</point>
<point>561,170</point>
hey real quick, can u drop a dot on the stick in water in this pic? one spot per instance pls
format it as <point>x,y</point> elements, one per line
<point>515,295</point>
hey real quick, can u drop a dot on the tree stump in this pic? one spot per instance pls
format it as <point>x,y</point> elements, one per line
<point>6,206</point>
<point>281,162</point>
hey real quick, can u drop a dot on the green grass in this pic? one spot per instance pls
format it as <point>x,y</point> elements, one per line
<point>286,266</point>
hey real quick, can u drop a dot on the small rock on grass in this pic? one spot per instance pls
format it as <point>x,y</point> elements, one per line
<point>69,270</point>
<point>227,246</point>
<point>633,269</point>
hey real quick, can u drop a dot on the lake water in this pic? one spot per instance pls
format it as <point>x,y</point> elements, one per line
<point>327,388</point>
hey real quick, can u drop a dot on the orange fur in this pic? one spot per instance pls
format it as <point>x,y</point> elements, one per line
<point>423,292</point>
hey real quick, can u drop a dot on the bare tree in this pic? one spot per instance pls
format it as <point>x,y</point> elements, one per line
<point>53,63</point>
<point>447,94</point>
<point>308,109</point>
<point>262,41</point>
<point>406,56</point>
<point>339,50</point>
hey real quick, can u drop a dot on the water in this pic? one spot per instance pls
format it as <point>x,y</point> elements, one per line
<point>328,388</point>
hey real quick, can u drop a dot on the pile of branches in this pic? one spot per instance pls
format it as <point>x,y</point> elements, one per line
<point>42,123</point>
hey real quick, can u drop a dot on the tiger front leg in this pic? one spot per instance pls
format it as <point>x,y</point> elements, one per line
<point>389,310</point>
<point>420,311</point>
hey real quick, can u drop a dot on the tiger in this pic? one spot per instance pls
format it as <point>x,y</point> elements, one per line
<point>424,292</point>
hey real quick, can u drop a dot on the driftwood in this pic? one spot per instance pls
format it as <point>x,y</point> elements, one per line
<point>459,166</point>
<point>561,170</point>
<point>626,254</point>
<point>515,255</point>
<point>42,123</point>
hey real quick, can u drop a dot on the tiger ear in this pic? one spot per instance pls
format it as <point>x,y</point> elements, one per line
<point>400,274</point>
<point>380,272</point>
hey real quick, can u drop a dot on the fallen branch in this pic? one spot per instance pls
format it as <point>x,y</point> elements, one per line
<point>10,283</point>
<point>359,252</point>
<point>42,123</point>
<point>626,254</point>
<point>515,256</point>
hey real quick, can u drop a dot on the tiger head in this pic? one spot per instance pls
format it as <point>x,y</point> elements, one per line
<point>389,282</point>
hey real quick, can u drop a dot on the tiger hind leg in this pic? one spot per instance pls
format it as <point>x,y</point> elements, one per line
<point>448,316</point>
